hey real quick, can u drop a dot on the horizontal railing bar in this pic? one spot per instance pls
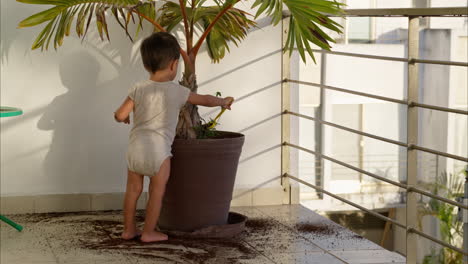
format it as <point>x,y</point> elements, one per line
<point>401,12</point>
<point>448,155</point>
<point>346,201</point>
<point>358,55</point>
<point>440,153</point>
<point>405,102</point>
<point>408,229</point>
<point>383,98</point>
<point>401,185</point>
<point>440,242</point>
<point>441,62</point>
<point>393,100</point>
<point>348,129</point>
<point>457,204</point>
<point>405,12</point>
<point>440,108</point>
<point>387,58</point>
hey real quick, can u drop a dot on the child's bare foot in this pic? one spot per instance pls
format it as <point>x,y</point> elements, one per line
<point>153,237</point>
<point>129,235</point>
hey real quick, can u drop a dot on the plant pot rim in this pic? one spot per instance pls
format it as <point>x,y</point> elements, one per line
<point>230,137</point>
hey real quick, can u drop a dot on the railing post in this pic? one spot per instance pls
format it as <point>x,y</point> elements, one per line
<point>320,113</point>
<point>285,118</point>
<point>412,138</point>
<point>465,217</point>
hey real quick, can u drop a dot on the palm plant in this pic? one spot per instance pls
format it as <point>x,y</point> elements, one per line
<point>451,230</point>
<point>216,25</point>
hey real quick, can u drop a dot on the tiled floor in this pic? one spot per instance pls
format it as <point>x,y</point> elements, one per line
<point>274,234</point>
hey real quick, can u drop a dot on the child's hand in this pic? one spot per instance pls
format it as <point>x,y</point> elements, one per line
<point>127,120</point>
<point>227,102</point>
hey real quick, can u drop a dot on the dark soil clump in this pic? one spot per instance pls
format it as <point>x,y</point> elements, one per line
<point>317,229</point>
<point>358,237</point>
<point>326,231</point>
<point>260,223</point>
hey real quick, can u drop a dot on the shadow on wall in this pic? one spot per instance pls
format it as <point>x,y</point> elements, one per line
<point>86,141</point>
<point>72,118</point>
<point>87,148</point>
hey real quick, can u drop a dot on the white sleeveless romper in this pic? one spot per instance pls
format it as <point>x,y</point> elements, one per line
<point>155,117</point>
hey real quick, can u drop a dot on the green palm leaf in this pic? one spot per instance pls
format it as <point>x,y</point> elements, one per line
<point>307,22</point>
<point>308,17</point>
<point>171,15</point>
<point>61,16</point>
<point>232,27</point>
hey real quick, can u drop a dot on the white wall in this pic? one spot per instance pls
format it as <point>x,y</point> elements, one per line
<point>67,142</point>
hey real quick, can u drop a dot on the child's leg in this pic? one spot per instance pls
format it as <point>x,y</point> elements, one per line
<point>133,192</point>
<point>153,208</point>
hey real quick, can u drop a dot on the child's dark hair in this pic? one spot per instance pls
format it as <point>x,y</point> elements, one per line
<point>158,50</point>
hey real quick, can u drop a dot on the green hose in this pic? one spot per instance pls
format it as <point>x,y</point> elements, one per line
<point>13,224</point>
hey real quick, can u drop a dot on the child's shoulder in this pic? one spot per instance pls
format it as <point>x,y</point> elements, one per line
<point>143,83</point>
<point>169,85</point>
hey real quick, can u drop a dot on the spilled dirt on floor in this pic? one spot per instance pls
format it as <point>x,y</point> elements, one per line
<point>316,229</point>
<point>177,249</point>
<point>325,230</point>
<point>100,232</point>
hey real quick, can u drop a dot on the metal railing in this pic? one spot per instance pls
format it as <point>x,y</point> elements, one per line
<point>413,15</point>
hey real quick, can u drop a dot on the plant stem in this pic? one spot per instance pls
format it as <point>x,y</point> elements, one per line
<point>186,25</point>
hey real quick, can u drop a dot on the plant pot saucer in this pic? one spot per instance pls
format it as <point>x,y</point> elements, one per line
<point>235,226</point>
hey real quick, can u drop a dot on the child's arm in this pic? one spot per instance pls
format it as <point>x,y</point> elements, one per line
<point>210,101</point>
<point>123,113</point>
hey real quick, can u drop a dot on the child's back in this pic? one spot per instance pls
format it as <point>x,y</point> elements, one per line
<point>156,112</point>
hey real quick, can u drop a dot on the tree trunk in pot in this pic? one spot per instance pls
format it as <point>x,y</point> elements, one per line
<point>188,116</point>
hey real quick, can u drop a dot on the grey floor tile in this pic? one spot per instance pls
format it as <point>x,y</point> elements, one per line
<point>24,247</point>
<point>332,238</point>
<point>369,256</point>
<point>76,238</point>
<point>324,232</point>
<point>258,259</point>
<point>214,251</point>
<point>27,256</point>
<point>248,211</point>
<point>266,235</point>
<point>280,212</point>
<point>305,258</point>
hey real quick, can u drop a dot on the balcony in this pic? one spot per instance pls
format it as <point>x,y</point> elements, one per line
<point>309,174</point>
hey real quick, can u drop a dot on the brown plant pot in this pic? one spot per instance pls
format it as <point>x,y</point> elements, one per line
<point>199,190</point>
